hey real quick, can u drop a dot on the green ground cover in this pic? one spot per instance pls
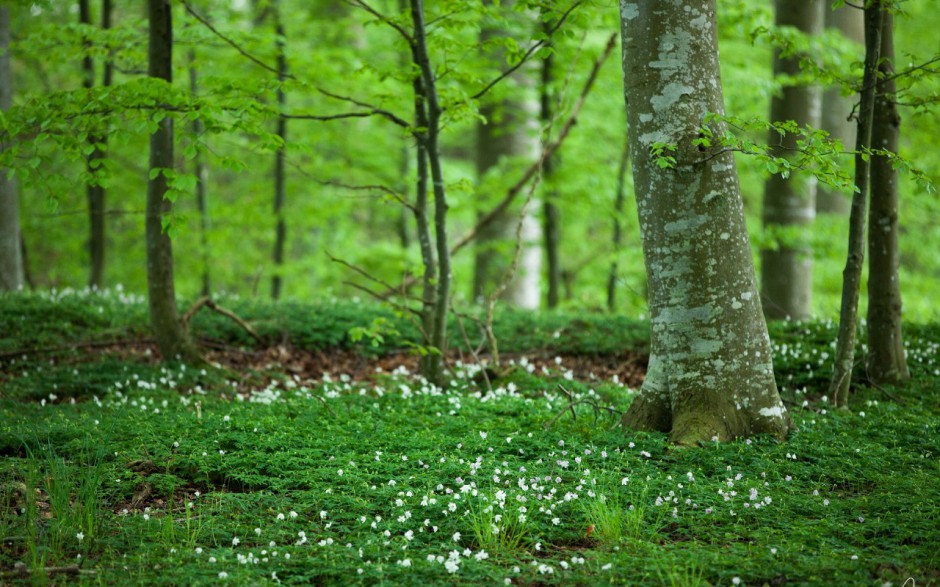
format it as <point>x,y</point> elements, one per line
<point>142,474</point>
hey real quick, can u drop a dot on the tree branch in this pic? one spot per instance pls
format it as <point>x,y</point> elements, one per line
<point>535,47</point>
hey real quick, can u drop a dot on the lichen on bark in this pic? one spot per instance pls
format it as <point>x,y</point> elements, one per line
<point>710,370</point>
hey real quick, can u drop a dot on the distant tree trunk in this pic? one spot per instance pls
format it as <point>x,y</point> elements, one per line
<point>710,372</point>
<point>95,191</point>
<point>199,170</point>
<point>508,133</point>
<point>837,108</point>
<point>619,200</point>
<point>11,254</point>
<point>844,359</point>
<point>790,202</point>
<point>886,360</point>
<point>279,175</point>
<point>551,222</point>
<point>164,317</point>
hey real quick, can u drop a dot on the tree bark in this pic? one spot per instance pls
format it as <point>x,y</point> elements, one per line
<point>836,108</point>
<point>429,136</point>
<point>710,372</point>
<point>886,360</point>
<point>790,202</point>
<point>279,175</point>
<point>619,200</point>
<point>508,133</point>
<point>844,360</point>
<point>172,338</point>
<point>95,191</point>
<point>202,178</point>
<point>551,217</point>
<point>11,254</point>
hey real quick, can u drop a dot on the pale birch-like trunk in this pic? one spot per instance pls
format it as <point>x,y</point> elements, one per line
<point>11,254</point>
<point>510,132</point>
<point>886,359</point>
<point>172,338</point>
<point>710,372</point>
<point>790,202</point>
<point>837,108</point>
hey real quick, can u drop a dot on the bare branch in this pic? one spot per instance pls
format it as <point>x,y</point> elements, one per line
<point>232,43</point>
<point>373,110</point>
<point>385,19</point>
<point>535,47</point>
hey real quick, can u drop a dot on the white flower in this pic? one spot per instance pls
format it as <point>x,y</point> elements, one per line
<point>235,541</point>
<point>482,434</point>
<point>736,580</point>
<point>80,536</point>
<point>293,514</point>
<point>258,531</point>
<point>456,536</point>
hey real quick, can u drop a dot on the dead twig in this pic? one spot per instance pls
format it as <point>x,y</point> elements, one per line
<point>598,409</point>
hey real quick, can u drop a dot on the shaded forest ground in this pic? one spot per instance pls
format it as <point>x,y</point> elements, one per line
<point>310,457</point>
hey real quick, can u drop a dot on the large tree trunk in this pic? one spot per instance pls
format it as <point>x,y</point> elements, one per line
<point>836,108</point>
<point>171,337</point>
<point>95,191</point>
<point>886,360</point>
<point>710,373</point>
<point>279,159</point>
<point>844,360</point>
<point>790,202</point>
<point>11,255</point>
<point>508,133</point>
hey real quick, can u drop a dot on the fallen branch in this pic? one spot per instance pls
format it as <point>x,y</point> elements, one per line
<point>207,302</point>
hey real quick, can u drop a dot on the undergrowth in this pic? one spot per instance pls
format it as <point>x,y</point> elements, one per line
<point>166,476</point>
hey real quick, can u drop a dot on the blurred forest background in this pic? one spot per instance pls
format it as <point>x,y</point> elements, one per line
<point>344,177</point>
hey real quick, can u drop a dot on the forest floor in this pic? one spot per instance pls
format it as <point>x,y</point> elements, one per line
<point>312,461</point>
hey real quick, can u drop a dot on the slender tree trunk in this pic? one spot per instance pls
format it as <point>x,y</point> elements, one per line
<point>279,176</point>
<point>201,173</point>
<point>619,200</point>
<point>95,191</point>
<point>11,254</point>
<point>790,202</point>
<point>852,274</point>
<point>551,220</point>
<point>429,136</point>
<point>886,360</point>
<point>710,372</point>
<point>164,316</point>
<point>837,109</point>
<point>425,238</point>
<point>508,133</point>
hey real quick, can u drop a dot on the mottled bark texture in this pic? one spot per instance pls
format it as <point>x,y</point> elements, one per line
<point>790,202</point>
<point>837,108</point>
<point>509,132</point>
<point>886,360</point>
<point>171,337</point>
<point>844,360</point>
<point>710,373</point>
